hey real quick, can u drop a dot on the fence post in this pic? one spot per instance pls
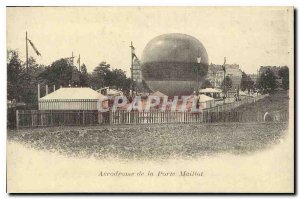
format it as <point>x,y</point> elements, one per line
<point>17,119</point>
<point>110,117</point>
<point>83,119</point>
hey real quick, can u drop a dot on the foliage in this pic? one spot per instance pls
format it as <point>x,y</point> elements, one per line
<point>60,72</point>
<point>103,76</point>
<point>228,83</point>
<point>284,74</point>
<point>15,76</point>
<point>206,84</point>
<point>267,81</point>
<point>22,82</point>
<point>246,82</point>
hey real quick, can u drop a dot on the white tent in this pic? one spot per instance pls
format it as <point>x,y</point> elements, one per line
<point>242,93</point>
<point>71,93</point>
<point>210,90</point>
<point>110,92</point>
<point>206,101</point>
<point>158,94</point>
<point>71,98</point>
<point>204,98</point>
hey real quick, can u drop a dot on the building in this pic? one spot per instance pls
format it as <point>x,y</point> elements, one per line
<point>216,74</point>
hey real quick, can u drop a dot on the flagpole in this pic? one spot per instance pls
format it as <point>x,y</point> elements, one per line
<point>72,59</point>
<point>224,79</point>
<point>131,69</point>
<point>26,53</point>
<point>79,62</point>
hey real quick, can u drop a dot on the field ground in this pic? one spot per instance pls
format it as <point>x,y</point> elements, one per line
<point>278,101</point>
<point>155,141</point>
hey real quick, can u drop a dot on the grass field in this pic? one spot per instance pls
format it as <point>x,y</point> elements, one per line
<point>155,141</point>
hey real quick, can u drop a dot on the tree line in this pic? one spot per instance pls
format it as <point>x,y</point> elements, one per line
<point>22,81</point>
<point>267,81</point>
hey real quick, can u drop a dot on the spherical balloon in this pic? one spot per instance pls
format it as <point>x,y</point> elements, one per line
<point>174,64</point>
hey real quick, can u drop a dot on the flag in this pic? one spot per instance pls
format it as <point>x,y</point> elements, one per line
<point>34,48</point>
<point>133,55</point>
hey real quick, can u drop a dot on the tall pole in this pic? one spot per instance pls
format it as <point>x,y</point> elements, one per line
<point>72,59</point>
<point>198,67</point>
<point>26,54</point>
<point>224,77</point>
<point>79,62</point>
<point>131,69</point>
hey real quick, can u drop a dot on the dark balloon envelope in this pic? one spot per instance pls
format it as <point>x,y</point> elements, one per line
<point>169,64</point>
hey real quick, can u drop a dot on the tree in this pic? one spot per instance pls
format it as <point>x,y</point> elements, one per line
<point>267,81</point>
<point>22,82</point>
<point>84,76</point>
<point>60,72</point>
<point>206,84</point>
<point>119,80</point>
<point>103,76</point>
<point>246,82</point>
<point>284,74</point>
<point>228,83</point>
<point>100,75</point>
<point>15,76</point>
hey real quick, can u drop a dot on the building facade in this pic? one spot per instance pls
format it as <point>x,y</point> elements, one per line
<point>216,74</point>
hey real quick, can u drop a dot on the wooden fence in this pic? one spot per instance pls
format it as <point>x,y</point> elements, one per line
<point>42,118</point>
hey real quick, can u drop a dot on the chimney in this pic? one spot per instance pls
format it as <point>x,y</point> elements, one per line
<point>46,89</point>
<point>54,88</point>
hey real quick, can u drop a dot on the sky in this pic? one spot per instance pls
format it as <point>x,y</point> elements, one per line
<point>248,36</point>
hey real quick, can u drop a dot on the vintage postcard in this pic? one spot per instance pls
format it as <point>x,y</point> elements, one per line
<point>150,99</point>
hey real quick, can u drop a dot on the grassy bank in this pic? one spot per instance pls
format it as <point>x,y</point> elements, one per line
<point>278,101</point>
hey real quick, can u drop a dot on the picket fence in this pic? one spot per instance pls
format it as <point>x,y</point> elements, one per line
<point>220,113</point>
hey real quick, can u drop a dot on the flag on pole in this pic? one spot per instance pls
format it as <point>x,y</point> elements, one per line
<point>133,51</point>
<point>34,48</point>
<point>224,65</point>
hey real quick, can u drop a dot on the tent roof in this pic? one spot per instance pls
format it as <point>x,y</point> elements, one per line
<point>205,98</point>
<point>210,90</point>
<point>73,93</point>
<point>159,94</point>
<point>242,93</point>
<point>110,91</point>
<point>113,91</point>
